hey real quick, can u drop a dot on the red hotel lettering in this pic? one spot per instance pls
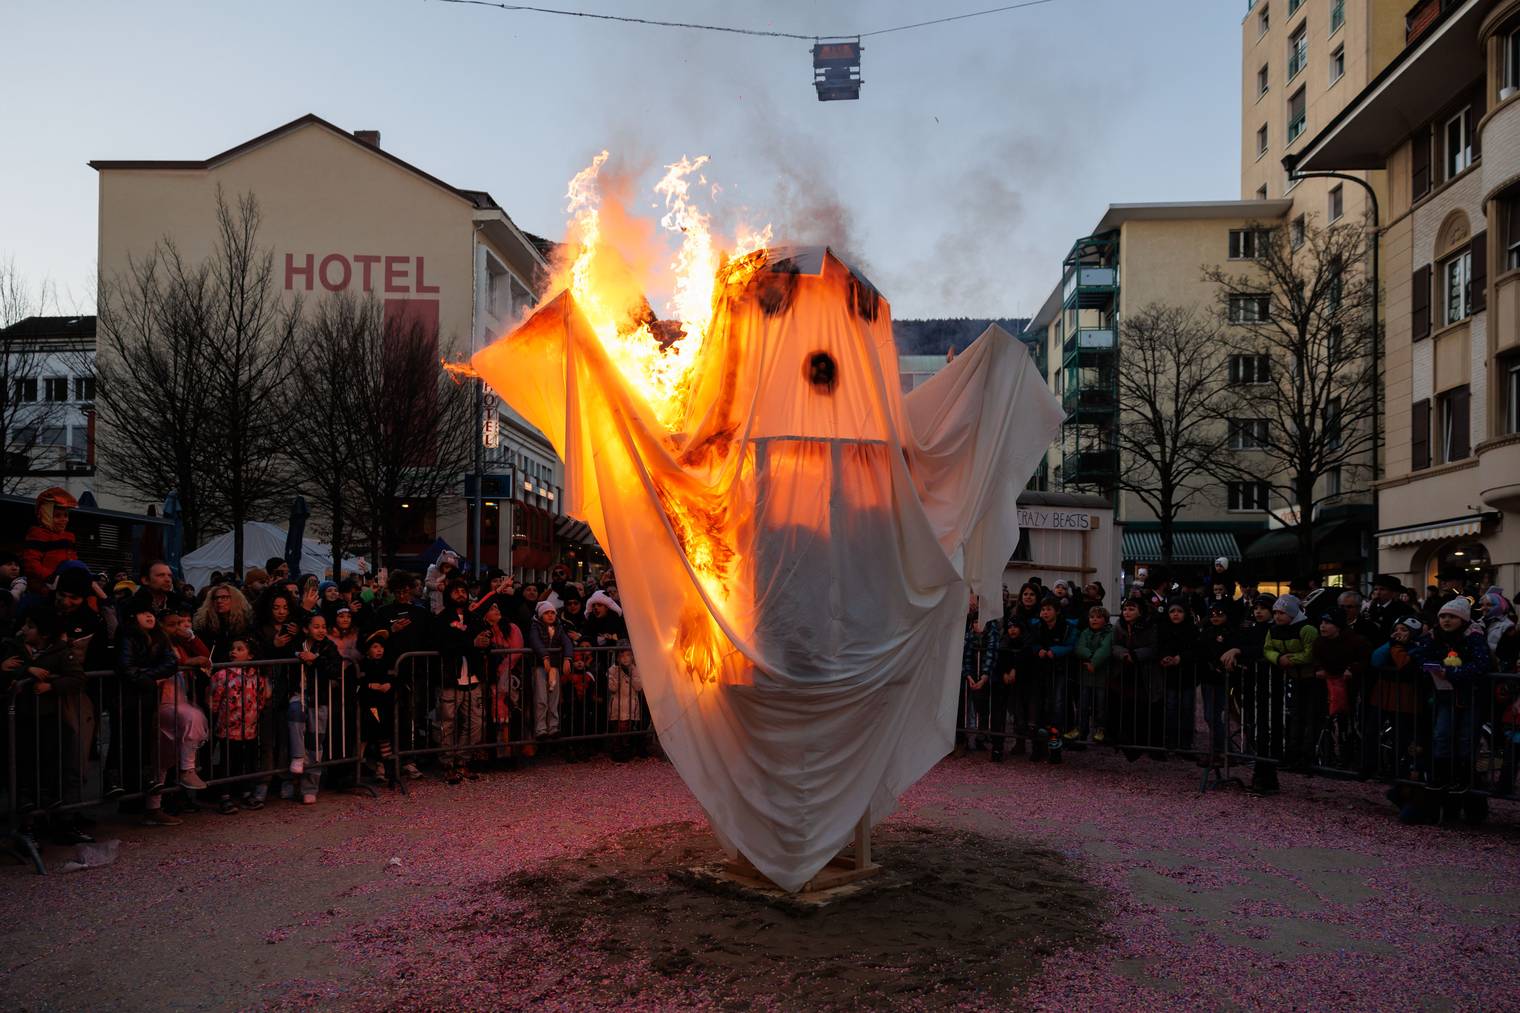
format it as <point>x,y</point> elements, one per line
<point>422,286</point>
<point>291,270</point>
<point>395,274</point>
<point>335,258</point>
<point>366,260</point>
<point>336,272</point>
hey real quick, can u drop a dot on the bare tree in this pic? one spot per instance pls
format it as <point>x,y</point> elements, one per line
<point>250,355</point>
<point>410,426</point>
<point>153,399</point>
<point>27,414</point>
<point>194,365</point>
<point>322,447</point>
<point>1170,391</point>
<point>1301,324</point>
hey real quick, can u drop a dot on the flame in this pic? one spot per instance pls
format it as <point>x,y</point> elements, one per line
<point>604,277</point>
<point>459,370</point>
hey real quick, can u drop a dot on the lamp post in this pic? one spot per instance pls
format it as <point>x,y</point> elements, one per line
<point>1290,163</point>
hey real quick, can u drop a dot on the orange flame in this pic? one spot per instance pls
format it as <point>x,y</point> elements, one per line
<point>606,241</point>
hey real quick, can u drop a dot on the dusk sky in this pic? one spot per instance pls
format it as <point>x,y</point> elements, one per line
<point>978,150</point>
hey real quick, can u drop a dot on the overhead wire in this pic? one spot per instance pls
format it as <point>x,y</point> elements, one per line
<point>697,26</point>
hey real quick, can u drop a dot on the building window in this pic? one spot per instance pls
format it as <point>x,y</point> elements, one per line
<point>1511,65</point>
<point>1298,114</point>
<point>84,388</point>
<point>1510,211</point>
<point>1245,369</point>
<point>1337,15</point>
<point>1261,192</point>
<point>1294,5</point>
<point>1456,287</point>
<point>1333,344</point>
<point>1248,434</point>
<point>1248,244</point>
<point>51,436</point>
<point>26,388</point>
<point>79,443</point>
<point>1250,309</point>
<point>1247,495</point>
<point>1263,21</point>
<point>1509,390</point>
<point>1337,64</point>
<point>1261,141</point>
<point>24,437</point>
<point>1453,412</point>
<point>56,388</point>
<point>1298,231</point>
<point>1263,81</point>
<point>1333,424</point>
<point>1337,203</point>
<point>1458,150</point>
<point>1298,51</point>
<point>1333,481</point>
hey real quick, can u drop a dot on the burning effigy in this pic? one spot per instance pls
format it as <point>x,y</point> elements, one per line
<point>794,537</point>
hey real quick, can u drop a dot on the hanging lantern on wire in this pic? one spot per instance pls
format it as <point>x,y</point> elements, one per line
<point>836,68</point>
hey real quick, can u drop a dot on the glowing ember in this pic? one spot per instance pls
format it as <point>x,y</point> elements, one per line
<point>602,276</point>
<point>459,370</point>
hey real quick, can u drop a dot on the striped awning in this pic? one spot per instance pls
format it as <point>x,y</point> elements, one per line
<point>1452,527</point>
<point>571,530</point>
<point>1187,546</point>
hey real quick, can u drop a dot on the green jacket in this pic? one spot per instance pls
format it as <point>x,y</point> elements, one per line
<point>1096,647</point>
<point>1294,642</point>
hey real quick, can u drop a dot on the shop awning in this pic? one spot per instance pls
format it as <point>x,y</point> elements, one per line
<point>1334,541</point>
<point>1452,527</point>
<point>568,529</point>
<point>1187,546</point>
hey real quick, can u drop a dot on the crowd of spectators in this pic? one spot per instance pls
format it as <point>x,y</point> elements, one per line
<point>148,691</point>
<point>1398,685</point>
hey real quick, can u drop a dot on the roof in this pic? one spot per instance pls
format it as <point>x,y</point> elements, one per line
<point>476,198</point>
<point>1118,214</point>
<point>546,247</point>
<point>77,326</point>
<point>1030,497</point>
<point>1404,95</point>
<point>1048,310</point>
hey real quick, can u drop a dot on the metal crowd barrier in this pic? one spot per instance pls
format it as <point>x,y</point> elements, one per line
<point>111,741</point>
<point>1389,725</point>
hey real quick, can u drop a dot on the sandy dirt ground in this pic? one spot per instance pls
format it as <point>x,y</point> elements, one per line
<point>1095,885</point>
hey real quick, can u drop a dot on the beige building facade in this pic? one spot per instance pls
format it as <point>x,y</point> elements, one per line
<point>1443,120</point>
<point>340,214</point>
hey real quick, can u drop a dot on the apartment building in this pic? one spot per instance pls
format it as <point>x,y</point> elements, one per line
<point>1301,62</point>
<point>1443,121</point>
<point>339,213</point>
<point>1138,255</point>
<point>48,410</point>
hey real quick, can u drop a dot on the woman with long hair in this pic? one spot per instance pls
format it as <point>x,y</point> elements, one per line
<point>223,617</point>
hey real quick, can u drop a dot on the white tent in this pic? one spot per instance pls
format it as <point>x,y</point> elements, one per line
<point>260,542</point>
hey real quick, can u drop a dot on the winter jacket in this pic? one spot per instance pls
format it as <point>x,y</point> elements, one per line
<point>1463,655</point>
<point>142,663</point>
<point>43,552</point>
<point>1134,643</point>
<point>551,647</point>
<point>1294,641</point>
<point>1214,642</point>
<point>454,632</point>
<point>1176,640</point>
<point>1094,647</point>
<point>314,677</point>
<point>1060,639</point>
<point>238,695</point>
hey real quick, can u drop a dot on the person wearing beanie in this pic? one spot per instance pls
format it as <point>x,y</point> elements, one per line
<point>1220,577</point>
<point>1289,648</point>
<point>1457,660</point>
<point>1341,657</point>
<point>552,651</point>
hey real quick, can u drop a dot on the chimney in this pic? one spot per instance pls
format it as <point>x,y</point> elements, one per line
<point>370,137</point>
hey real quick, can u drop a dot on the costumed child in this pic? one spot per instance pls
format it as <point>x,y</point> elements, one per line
<point>239,694</point>
<point>377,703</point>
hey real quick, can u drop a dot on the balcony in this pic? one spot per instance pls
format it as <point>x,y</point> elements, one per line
<point>1089,404</point>
<point>1089,339</point>
<point>1091,467</point>
<point>1499,472</point>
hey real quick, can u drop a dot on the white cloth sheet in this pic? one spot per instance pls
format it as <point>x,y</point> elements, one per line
<point>794,560</point>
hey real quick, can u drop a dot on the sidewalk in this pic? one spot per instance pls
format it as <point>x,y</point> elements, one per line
<point>1316,897</point>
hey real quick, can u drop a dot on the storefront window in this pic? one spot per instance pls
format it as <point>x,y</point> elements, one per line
<point>1465,560</point>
